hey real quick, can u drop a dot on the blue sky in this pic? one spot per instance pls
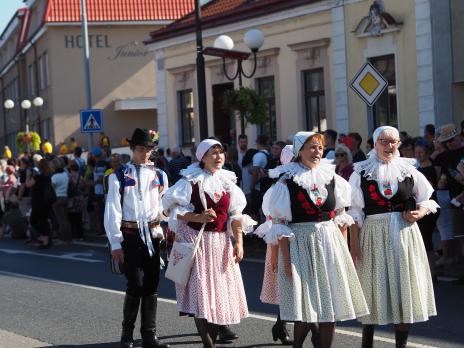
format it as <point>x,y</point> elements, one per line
<point>7,10</point>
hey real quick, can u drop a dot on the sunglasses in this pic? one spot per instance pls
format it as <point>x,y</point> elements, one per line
<point>340,154</point>
<point>448,141</point>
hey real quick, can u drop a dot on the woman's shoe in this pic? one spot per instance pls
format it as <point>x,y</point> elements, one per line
<point>279,331</point>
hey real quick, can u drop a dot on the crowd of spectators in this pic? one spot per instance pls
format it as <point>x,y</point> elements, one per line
<point>45,195</point>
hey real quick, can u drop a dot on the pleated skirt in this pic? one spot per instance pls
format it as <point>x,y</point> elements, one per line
<point>394,271</point>
<point>324,286</point>
<point>215,290</point>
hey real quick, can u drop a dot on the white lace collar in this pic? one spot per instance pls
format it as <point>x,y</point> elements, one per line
<point>214,184</point>
<point>376,169</point>
<point>305,177</point>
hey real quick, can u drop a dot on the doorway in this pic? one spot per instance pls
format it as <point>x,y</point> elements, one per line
<point>224,120</point>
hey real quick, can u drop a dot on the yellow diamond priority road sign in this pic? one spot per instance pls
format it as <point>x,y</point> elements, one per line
<point>369,83</point>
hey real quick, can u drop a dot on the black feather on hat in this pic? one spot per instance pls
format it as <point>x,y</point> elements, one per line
<point>144,137</point>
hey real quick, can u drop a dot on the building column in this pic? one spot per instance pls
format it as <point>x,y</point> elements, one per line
<point>161,99</point>
<point>424,57</point>
<point>340,69</point>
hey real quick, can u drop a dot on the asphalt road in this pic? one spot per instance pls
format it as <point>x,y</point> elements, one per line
<point>68,298</point>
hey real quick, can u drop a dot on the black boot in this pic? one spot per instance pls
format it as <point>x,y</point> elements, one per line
<point>279,331</point>
<point>368,336</point>
<point>401,338</point>
<point>148,327</point>
<point>225,334</point>
<point>131,308</point>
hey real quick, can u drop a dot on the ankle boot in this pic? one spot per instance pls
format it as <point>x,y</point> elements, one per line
<point>367,336</point>
<point>148,327</point>
<point>279,331</point>
<point>401,338</point>
<point>225,334</point>
<point>131,308</point>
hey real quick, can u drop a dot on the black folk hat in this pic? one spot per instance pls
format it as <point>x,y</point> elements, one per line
<point>144,137</point>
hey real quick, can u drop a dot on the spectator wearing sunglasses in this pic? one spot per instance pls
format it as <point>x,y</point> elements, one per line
<point>343,161</point>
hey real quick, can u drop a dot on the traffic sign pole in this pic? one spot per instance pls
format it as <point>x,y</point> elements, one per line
<point>88,85</point>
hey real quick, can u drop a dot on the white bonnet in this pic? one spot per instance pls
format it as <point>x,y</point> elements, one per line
<point>204,146</point>
<point>286,155</point>
<point>298,141</point>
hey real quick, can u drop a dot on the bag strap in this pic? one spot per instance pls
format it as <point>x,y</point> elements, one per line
<point>205,205</point>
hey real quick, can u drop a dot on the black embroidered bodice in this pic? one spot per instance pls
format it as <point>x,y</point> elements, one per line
<point>304,209</point>
<point>376,203</point>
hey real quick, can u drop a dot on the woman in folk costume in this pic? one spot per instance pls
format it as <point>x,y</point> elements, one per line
<point>214,294</point>
<point>388,196</point>
<point>270,289</point>
<point>317,279</point>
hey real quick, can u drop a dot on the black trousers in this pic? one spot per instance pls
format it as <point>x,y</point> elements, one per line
<point>141,270</point>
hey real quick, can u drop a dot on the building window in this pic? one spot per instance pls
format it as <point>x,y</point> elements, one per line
<point>385,110</point>
<point>187,116</point>
<point>314,100</point>
<point>44,71</point>
<point>31,80</point>
<point>266,90</point>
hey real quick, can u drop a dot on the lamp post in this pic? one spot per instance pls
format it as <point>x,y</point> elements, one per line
<point>8,105</point>
<point>223,47</point>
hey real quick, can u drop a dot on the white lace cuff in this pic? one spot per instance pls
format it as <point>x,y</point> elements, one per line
<point>246,220</point>
<point>431,205</point>
<point>263,229</point>
<point>277,232</point>
<point>178,210</point>
<point>358,217</point>
<point>157,233</point>
<point>344,219</point>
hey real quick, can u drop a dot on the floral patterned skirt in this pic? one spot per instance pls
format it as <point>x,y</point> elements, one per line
<point>324,286</point>
<point>270,289</point>
<point>215,289</point>
<point>394,271</point>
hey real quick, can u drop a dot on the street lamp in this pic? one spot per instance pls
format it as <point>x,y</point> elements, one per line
<point>8,105</point>
<point>223,47</point>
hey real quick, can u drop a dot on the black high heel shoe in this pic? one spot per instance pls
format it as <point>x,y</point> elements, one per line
<point>279,331</point>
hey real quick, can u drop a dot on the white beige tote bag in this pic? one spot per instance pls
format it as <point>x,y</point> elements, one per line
<point>183,254</point>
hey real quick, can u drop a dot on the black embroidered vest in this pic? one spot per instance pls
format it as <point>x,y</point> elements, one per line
<point>375,203</point>
<point>303,208</point>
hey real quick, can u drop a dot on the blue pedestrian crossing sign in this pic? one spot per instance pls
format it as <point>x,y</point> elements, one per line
<point>91,121</point>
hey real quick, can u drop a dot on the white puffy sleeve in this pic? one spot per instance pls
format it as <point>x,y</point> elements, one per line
<point>237,204</point>
<point>423,191</point>
<point>176,201</point>
<point>277,202</point>
<point>113,213</point>
<point>342,201</point>
<point>357,199</point>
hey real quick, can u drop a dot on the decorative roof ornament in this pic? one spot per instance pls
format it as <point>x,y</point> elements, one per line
<point>378,22</point>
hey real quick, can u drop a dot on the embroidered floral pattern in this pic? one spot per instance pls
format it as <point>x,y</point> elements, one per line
<point>305,204</point>
<point>176,257</point>
<point>375,196</point>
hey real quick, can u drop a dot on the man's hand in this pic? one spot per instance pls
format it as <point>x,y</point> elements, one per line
<point>238,252</point>
<point>118,255</point>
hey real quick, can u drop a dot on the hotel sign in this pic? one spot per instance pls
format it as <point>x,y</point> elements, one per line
<point>369,84</point>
